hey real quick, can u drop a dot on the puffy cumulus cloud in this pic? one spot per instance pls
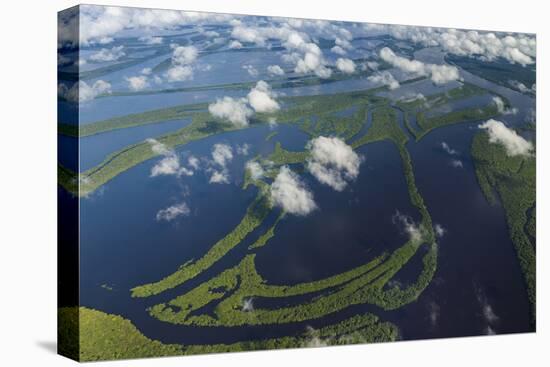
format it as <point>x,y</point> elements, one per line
<point>248,304</point>
<point>301,50</point>
<point>346,66</point>
<point>439,74</point>
<point>519,48</point>
<point>291,194</point>
<point>402,63</point>
<point>487,312</point>
<point>501,107</point>
<point>106,54</point>
<point>251,70</point>
<point>151,40</point>
<point>137,83</point>
<point>384,78</point>
<point>522,87</point>
<point>184,55</point>
<point>513,143</point>
<point>219,177</point>
<point>82,91</point>
<point>193,162</point>
<point>312,60</point>
<point>172,212</point>
<point>234,45</point>
<point>243,149</point>
<point>255,169</point>
<point>515,48</point>
<point>179,73</point>
<point>275,70</point>
<point>447,148</point>
<point>409,226</point>
<point>457,163</point>
<point>249,34</point>
<point>338,50</point>
<point>182,59</point>
<point>101,24</point>
<point>235,111</point>
<point>169,164</point>
<point>222,154</point>
<point>332,162</point>
<point>434,313</point>
<point>262,99</point>
<point>439,230</point>
<point>272,122</point>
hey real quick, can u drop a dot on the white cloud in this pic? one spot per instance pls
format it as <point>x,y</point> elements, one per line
<point>235,45</point>
<point>513,143</point>
<point>100,24</point>
<point>106,54</point>
<point>373,65</point>
<point>184,55</point>
<point>409,227</point>
<point>304,54</point>
<point>170,164</point>
<point>384,78</point>
<point>137,83</point>
<point>332,162</point>
<point>235,111</point>
<point>172,212</point>
<point>83,92</point>
<point>248,34</point>
<point>487,311</point>
<point>435,311</point>
<point>179,73</point>
<point>221,177</point>
<point>457,163</point>
<point>272,123</point>
<point>252,71</point>
<point>338,50</point>
<point>439,74</point>
<point>146,71</point>
<point>346,66</point>
<point>248,304</point>
<point>275,70</point>
<point>501,107</point>
<point>150,40</point>
<point>222,154</point>
<point>489,46</point>
<point>522,87</point>
<point>193,162</point>
<point>255,169</point>
<point>182,59</point>
<point>439,230</point>
<point>448,149</point>
<point>243,149</point>
<point>262,99</point>
<point>290,193</point>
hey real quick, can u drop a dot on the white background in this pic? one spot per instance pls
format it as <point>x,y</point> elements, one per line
<point>28,182</point>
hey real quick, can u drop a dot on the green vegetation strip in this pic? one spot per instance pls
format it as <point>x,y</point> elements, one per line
<point>365,284</point>
<point>512,179</point>
<point>254,216</point>
<point>106,336</point>
<point>419,107</point>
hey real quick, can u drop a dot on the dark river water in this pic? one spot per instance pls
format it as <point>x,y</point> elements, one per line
<point>478,286</point>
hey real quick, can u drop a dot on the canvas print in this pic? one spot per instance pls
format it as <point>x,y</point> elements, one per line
<point>237,183</point>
